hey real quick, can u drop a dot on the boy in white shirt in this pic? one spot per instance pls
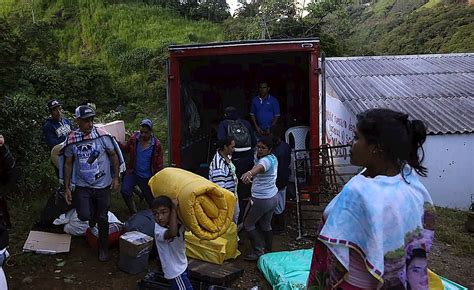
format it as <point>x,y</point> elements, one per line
<point>169,238</point>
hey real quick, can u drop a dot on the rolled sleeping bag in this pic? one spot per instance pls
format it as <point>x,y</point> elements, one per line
<point>54,154</point>
<point>205,208</point>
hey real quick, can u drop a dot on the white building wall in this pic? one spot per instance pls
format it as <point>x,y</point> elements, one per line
<point>450,162</point>
<point>449,157</point>
<point>340,129</point>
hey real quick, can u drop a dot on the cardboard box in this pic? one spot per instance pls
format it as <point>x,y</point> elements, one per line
<point>134,243</point>
<point>135,250</point>
<point>116,129</point>
<point>47,243</point>
<point>134,265</point>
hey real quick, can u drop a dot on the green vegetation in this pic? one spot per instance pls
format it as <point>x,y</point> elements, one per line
<point>450,229</point>
<point>112,53</point>
<point>431,4</point>
<point>411,27</point>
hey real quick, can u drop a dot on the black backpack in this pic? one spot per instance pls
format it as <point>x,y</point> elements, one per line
<point>240,133</point>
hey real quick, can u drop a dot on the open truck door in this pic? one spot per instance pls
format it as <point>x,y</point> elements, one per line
<point>203,79</point>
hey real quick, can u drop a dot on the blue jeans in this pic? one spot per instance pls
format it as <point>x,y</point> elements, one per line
<point>93,205</point>
<point>181,282</point>
<point>129,182</point>
<point>281,201</point>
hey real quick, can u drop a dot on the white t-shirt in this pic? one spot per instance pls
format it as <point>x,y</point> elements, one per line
<point>264,184</point>
<point>172,252</point>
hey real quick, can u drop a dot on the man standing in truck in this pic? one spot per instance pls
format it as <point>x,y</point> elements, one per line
<point>264,110</point>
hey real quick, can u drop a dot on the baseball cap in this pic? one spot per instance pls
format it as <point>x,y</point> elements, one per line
<point>53,104</point>
<point>84,112</point>
<point>147,122</point>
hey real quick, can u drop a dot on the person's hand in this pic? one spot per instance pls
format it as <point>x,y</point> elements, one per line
<point>115,184</point>
<point>2,140</point>
<point>68,195</point>
<point>175,202</point>
<point>246,177</point>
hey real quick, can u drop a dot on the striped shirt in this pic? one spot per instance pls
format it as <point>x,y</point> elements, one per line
<point>221,173</point>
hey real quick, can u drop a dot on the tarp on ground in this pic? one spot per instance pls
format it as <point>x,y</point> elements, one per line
<point>290,269</point>
<point>204,207</point>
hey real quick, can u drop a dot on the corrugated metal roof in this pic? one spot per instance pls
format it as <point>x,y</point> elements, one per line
<point>438,89</point>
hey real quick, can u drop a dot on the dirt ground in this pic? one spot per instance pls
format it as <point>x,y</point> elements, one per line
<point>80,269</point>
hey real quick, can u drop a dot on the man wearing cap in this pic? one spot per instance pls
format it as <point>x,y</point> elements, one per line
<point>55,130</point>
<point>56,127</point>
<point>145,160</point>
<point>92,165</point>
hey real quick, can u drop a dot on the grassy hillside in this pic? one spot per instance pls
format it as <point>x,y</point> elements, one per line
<point>110,52</point>
<point>411,27</point>
<point>128,38</point>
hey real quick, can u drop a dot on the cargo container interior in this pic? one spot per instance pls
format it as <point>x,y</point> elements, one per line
<point>210,84</point>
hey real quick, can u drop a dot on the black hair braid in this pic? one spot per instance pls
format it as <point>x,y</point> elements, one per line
<point>417,132</point>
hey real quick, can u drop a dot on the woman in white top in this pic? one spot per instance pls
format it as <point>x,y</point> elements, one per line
<point>264,198</point>
<point>378,230</point>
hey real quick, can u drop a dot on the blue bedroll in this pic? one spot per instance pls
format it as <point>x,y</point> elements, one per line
<point>289,270</point>
<point>286,270</point>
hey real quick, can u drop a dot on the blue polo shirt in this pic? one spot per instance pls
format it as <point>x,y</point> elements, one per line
<point>143,159</point>
<point>264,110</point>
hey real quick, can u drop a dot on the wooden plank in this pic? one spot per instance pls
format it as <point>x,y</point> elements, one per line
<point>214,274</point>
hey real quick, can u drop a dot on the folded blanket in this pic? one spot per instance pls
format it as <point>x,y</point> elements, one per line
<point>205,208</point>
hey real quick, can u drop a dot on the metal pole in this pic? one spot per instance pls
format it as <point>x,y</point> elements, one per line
<point>323,97</point>
<point>298,214</point>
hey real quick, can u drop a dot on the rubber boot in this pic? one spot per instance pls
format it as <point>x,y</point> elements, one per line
<point>268,238</point>
<point>257,249</point>
<point>104,242</point>
<point>130,202</point>
<point>278,223</point>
